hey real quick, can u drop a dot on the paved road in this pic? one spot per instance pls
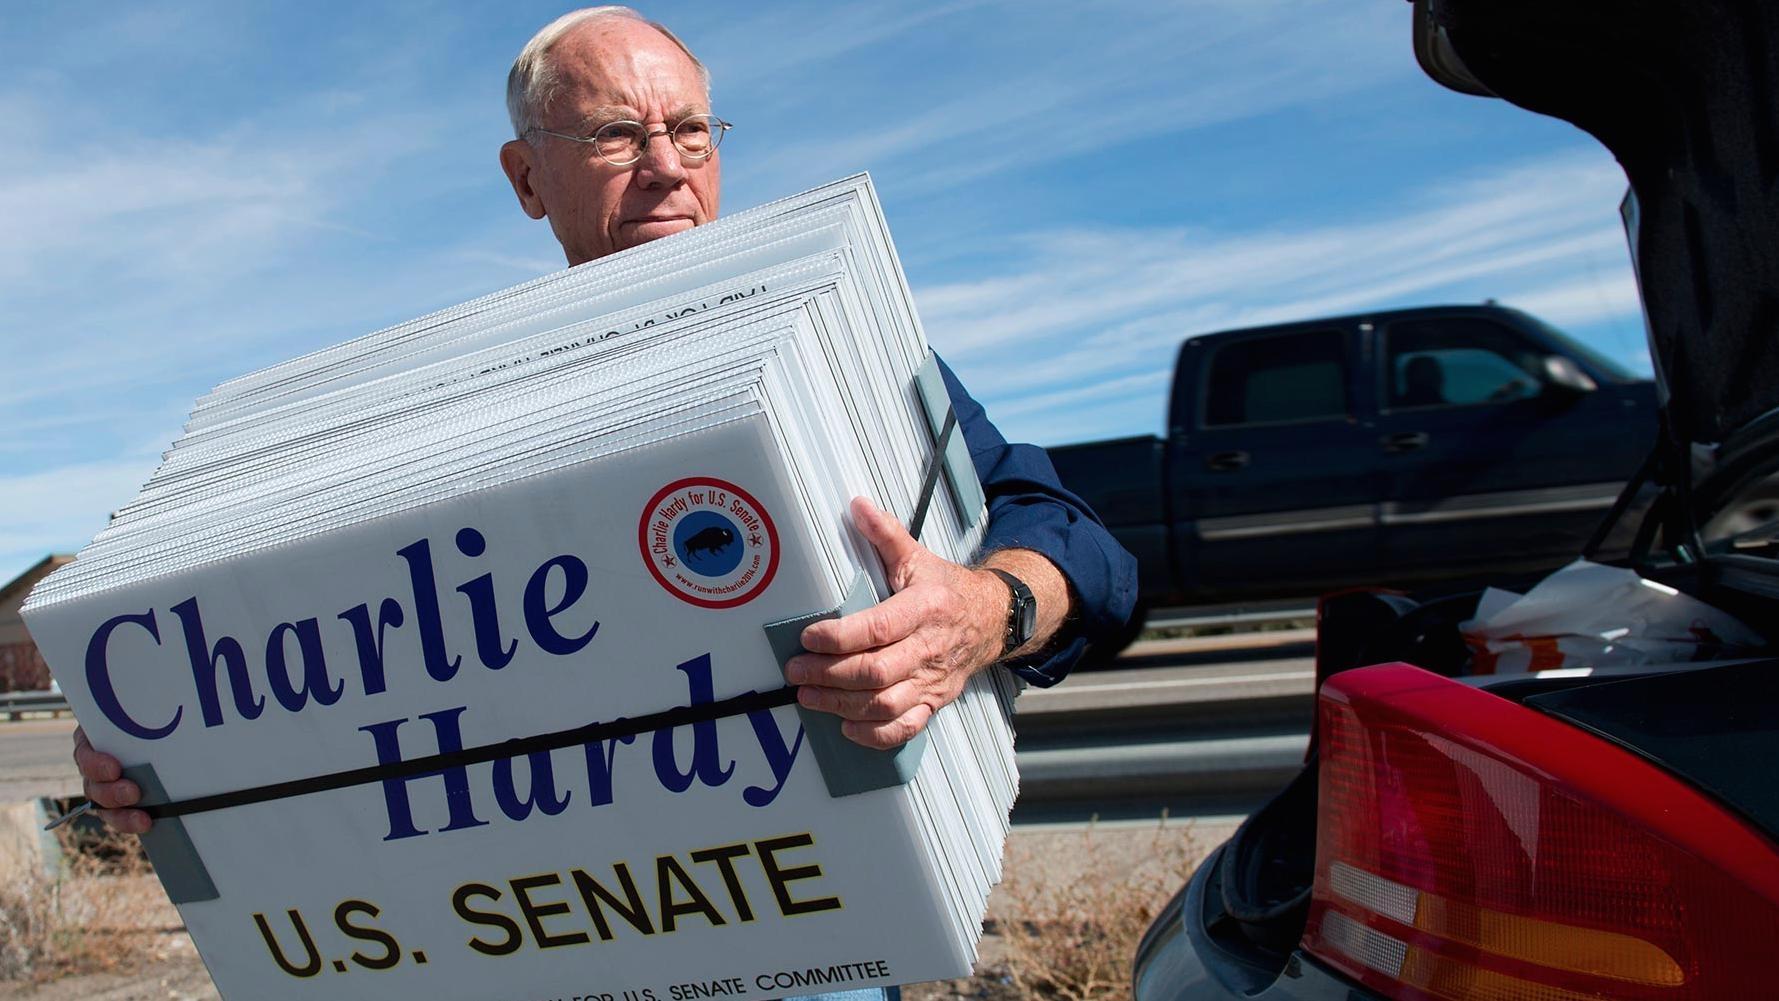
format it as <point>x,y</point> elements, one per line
<point>34,760</point>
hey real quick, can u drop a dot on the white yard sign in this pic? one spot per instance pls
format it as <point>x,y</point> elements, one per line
<point>705,860</point>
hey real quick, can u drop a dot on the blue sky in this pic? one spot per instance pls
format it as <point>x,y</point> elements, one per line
<point>192,190</point>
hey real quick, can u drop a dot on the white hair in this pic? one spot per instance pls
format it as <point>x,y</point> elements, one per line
<point>533,80</point>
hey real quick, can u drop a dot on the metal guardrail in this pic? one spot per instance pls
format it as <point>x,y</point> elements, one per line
<point>1108,741</point>
<point>1252,614</point>
<point>1244,768</point>
<point>14,705</point>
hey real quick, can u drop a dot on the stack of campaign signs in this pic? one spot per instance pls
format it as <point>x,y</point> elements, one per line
<point>449,658</point>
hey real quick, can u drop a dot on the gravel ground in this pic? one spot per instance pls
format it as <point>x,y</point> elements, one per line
<point>1043,855</point>
<point>173,979</point>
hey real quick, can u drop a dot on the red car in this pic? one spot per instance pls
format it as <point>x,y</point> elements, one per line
<point>1582,835</point>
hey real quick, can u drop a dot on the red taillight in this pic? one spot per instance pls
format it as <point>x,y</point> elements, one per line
<point>1472,848</point>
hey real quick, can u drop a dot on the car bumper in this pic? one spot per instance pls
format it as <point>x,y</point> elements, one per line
<point>1178,961</point>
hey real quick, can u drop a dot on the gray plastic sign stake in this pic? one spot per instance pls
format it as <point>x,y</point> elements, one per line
<point>847,768</point>
<point>960,472</point>
<point>169,847</point>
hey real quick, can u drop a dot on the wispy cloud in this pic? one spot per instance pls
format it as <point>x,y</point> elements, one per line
<point>147,266</point>
<point>140,263</point>
<point>1103,408</point>
<point>45,510</point>
<point>776,40</point>
<point>523,266</point>
<point>1084,307</point>
<point>1055,81</point>
<point>1068,401</point>
<point>1582,301</point>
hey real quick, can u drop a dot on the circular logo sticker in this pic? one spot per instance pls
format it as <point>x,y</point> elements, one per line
<point>708,542</point>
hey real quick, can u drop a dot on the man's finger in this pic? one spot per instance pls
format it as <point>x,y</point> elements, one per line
<point>126,821</point>
<point>880,625</point>
<point>865,671</point>
<point>891,733</point>
<point>895,547</point>
<point>113,795</point>
<point>880,706</point>
<point>95,765</point>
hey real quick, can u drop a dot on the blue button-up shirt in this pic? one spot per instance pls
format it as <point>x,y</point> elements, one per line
<point>1028,508</point>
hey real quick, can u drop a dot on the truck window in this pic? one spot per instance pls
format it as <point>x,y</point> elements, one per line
<point>1272,380</point>
<point>1459,361</point>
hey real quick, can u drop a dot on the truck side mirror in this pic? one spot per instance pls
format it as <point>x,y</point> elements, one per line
<point>1563,376</point>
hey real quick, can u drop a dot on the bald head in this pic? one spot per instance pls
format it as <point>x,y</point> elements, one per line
<point>533,80</point>
<point>601,68</point>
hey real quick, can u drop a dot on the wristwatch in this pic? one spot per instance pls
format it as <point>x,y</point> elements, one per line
<point>1022,612</point>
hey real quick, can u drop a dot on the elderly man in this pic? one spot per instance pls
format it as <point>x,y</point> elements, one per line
<point>615,146</point>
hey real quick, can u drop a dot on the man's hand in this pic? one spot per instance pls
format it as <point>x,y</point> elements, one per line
<point>102,775</point>
<point>887,669</point>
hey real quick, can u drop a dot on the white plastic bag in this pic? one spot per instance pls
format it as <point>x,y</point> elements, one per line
<point>1589,615</point>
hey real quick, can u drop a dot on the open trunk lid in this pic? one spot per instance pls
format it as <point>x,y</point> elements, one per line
<point>1685,93</point>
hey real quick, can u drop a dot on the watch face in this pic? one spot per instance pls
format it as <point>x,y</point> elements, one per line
<point>1025,620</point>
<point>1022,613</point>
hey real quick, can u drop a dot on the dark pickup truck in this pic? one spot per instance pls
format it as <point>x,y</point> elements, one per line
<point>1403,448</point>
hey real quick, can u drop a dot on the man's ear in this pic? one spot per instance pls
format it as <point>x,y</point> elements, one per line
<point>517,158</point>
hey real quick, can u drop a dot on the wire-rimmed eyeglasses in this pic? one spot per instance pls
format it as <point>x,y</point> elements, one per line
<point>621,143</point>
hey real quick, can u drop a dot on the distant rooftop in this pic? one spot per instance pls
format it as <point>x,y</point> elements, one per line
<point>12,594</point>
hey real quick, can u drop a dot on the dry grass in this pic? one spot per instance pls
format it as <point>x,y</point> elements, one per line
<point>1070,935</point>
<point>103,911</point>
<point>1064,925</point>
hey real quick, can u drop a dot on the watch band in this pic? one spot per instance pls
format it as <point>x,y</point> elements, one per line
<point>1022,612</point>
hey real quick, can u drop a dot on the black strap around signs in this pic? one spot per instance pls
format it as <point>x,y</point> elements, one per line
<point>935,465</point>
<point>618,728</point>
<point>432,764</point>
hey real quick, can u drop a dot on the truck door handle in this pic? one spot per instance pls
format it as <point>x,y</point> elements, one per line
<point>1226,462</point>
<point>1405,441</point>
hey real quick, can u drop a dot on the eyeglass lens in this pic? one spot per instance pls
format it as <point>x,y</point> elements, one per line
<point>622,143</point>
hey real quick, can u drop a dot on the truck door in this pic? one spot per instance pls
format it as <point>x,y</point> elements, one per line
<point>1275,470</point>
<point>1488,463</point>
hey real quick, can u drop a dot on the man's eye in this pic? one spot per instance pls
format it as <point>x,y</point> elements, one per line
<point>619,133</point>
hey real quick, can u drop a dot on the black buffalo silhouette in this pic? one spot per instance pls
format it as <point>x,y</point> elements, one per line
<point>710,540</point>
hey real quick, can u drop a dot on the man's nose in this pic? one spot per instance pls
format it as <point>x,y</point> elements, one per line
<point>660,164</point>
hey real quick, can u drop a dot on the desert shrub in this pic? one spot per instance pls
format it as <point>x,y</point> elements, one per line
<point>1065,921</point>
<point>1071,929</point>
<point>104,910</point>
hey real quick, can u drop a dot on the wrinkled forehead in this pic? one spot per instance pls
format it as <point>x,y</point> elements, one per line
<point>624,67</point>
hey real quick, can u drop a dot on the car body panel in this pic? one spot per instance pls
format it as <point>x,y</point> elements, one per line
<point>1681,93</point>
<point>1177,961</point>
<point>1705,726</point>
<point>1272,499</point>
<point>1530,473</point>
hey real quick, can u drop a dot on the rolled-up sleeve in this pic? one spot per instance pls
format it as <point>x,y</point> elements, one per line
<point>1028,508</point>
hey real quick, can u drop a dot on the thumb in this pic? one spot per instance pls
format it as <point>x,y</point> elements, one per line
<point>895,547</point>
